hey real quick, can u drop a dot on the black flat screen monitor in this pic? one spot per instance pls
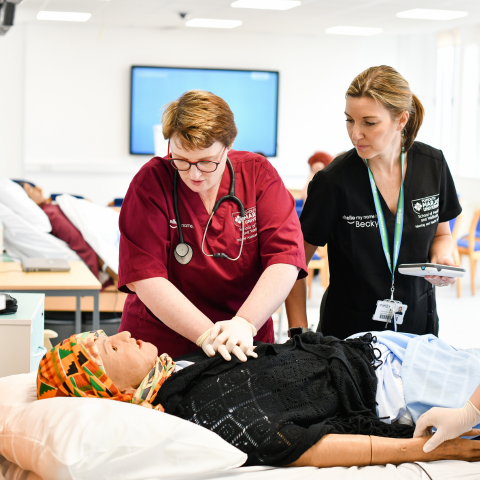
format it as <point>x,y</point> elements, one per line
<point>251,94</point>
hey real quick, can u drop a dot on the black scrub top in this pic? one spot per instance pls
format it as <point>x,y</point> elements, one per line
<point>340,211</point>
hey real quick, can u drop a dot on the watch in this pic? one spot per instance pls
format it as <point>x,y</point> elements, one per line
<point>297,331</point>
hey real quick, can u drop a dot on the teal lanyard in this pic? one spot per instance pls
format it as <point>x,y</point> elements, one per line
<point>381,222</point>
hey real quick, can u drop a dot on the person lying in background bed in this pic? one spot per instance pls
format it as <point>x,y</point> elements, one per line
<point>64,229</point>
<point>311,401</point>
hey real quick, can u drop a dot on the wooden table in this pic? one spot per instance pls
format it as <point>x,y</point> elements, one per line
<point>78,282</point>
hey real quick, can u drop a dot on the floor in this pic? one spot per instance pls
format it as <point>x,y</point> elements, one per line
<point>459,317</point>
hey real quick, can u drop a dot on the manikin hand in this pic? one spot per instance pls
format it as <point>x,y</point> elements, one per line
<point>449,422</point>
<point>437,280</point>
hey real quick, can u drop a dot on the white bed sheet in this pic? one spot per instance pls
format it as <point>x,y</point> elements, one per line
<point>442,470</point>
<point>98,226</point>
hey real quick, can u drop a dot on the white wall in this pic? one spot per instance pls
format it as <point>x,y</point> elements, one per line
<point>65,120</point>
<point>12,61</point>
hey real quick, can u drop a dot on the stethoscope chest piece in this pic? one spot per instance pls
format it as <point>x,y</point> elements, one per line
<point>183,253</point>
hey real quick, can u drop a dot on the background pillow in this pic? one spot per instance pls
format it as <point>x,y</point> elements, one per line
<point>23,240</point>
<point>15,197</point>
<point>85,438</point>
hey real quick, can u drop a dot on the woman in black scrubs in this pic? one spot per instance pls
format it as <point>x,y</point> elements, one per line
<point>383,118</point>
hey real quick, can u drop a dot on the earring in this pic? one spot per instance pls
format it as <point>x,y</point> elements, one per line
<point>403,142</point>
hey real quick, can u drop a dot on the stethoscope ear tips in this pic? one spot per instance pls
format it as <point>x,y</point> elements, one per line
<point>183,253</point>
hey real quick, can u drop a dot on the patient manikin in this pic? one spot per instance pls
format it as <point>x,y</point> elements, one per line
<point>124,369</point>
<point>64,229</point>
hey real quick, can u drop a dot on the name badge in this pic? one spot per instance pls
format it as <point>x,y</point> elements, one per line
<point>388,309</point>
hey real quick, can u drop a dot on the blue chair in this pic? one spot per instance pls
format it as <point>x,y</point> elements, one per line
<point>470,245</point>
<point>298,206</point>
<point>116,202</point>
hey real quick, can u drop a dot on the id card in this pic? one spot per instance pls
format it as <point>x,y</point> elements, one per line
<point>387,309</point>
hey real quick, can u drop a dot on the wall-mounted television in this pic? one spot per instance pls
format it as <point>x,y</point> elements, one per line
<point>251,94</point>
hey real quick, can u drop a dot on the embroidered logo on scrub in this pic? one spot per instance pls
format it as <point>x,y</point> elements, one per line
<point>427,210</point>
<point>424,205</point>
<point>250,223</point>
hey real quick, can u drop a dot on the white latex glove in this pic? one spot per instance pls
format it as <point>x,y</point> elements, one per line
<point>234,336</point>
<point>206,342</point>
<point>449,422</point>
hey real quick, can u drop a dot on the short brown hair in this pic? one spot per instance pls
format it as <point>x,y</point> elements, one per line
<point>386,85</point>
<point>199,119</point>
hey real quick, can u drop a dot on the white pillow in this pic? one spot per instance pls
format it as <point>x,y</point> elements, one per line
<point>84,438</point>
<point>23,240</point>
<point>15,197</point>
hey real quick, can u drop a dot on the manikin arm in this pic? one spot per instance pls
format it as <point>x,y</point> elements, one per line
<point>363,450</point>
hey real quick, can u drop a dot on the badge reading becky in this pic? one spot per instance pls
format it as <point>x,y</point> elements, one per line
<point>250,224</point>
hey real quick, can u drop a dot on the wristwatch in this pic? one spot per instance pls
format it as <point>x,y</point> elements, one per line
<point>297,331</point>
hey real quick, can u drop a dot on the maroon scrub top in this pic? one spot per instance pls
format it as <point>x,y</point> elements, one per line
<point>217,287</point>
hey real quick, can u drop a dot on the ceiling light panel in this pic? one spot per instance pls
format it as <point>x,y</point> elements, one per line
<point>213,23</point>
<point>361,31</point>
<point>267,4</point>
<point>64,16</point>
<point>430,14</point>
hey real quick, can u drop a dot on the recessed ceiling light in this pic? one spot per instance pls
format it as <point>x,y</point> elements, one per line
<point>430,14</point>
<point>64,16</point>
<point>213,23</point>
<point>362,31</point>
<point>267,4</point>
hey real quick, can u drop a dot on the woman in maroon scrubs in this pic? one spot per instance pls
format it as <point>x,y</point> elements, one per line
<point>175,305</point>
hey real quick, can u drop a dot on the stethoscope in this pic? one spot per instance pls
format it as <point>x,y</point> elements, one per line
<point>183,251</point>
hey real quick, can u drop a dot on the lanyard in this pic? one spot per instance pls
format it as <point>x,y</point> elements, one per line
<point>381,222</point>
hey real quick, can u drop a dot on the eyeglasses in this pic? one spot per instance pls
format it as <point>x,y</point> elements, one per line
<point>205,166</point>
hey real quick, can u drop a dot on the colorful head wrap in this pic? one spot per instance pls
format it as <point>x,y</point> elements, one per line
<point>74,368</point>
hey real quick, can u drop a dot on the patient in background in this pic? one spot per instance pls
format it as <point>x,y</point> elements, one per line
<point>63,229</point>
<point>308,402</point>
<point>318,161</point>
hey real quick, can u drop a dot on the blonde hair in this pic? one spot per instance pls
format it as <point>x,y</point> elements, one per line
<point>387,86</point>
<point>198,119</point>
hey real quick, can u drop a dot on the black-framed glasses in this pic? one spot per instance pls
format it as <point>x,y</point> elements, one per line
<point>205,166</point>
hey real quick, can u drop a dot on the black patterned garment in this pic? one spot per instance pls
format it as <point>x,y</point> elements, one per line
<point>275,407</point>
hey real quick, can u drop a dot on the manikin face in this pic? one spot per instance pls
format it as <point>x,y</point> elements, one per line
<point>127,361</point>
<point>371,127</point>
<point>35,193</point>
<point>196,180</point>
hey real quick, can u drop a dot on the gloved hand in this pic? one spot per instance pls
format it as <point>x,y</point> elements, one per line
<point>205,343</point>
<point>230,336</point>
<point>449,422</point>
<point>234,336</point>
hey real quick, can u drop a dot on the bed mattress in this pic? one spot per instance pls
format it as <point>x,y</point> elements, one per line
<point>441,470</point>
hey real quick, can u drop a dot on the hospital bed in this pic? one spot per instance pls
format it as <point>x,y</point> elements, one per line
<point>81,438</point>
